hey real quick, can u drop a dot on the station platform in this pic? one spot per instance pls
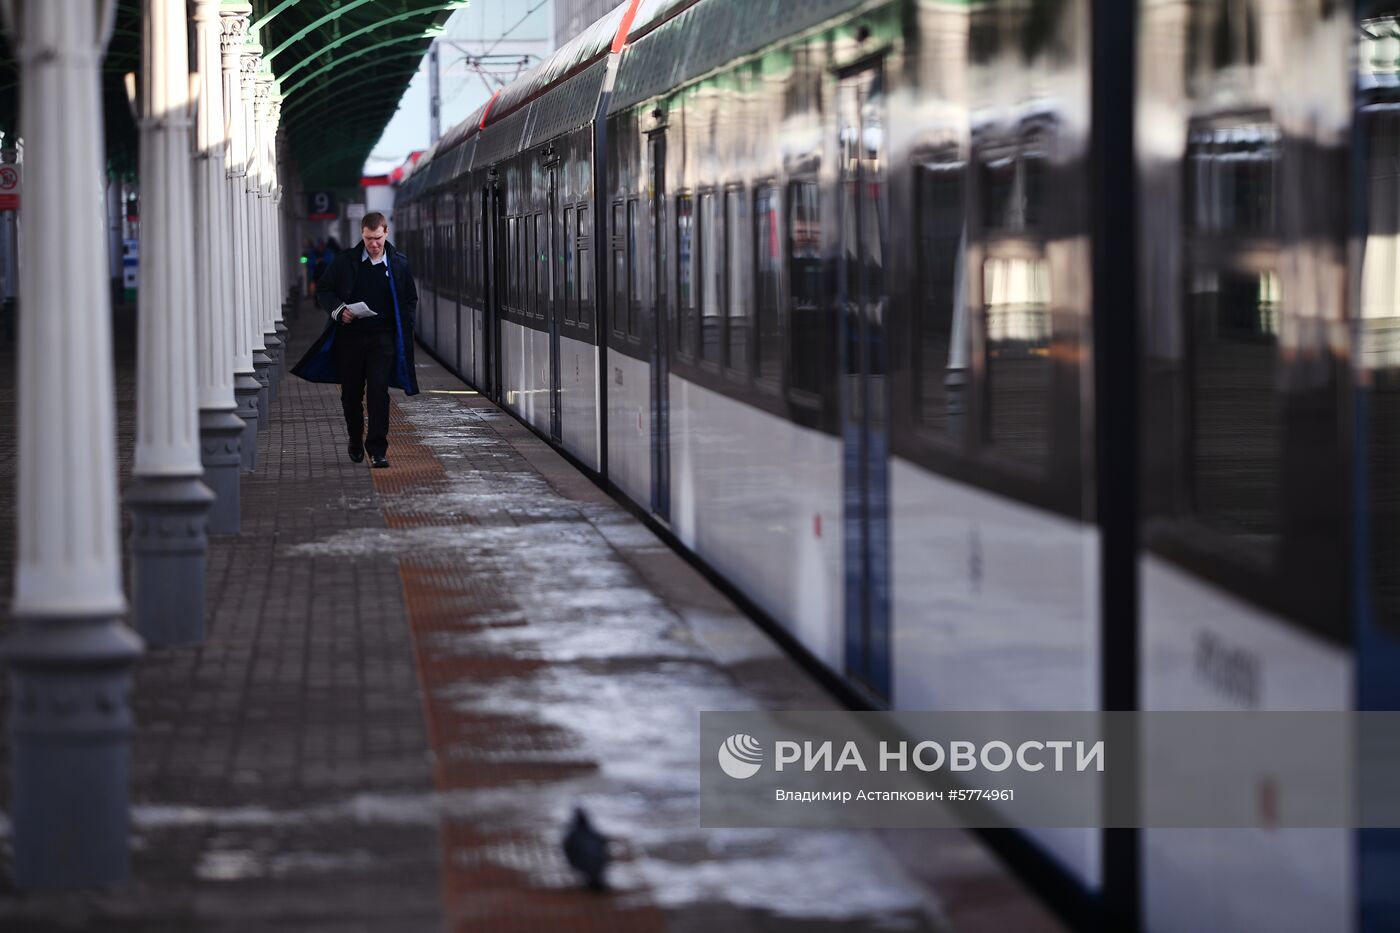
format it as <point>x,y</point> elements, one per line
<point>413,675</point>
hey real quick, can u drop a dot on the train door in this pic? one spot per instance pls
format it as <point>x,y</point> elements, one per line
<point>557,242</point>
<point>660,329</point>
<point>862,355</point>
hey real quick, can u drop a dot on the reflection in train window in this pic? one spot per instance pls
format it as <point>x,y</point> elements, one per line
<point>542,278</point>
<point>1380,359</point>
<point>585,271</point>
<point>737,261</point>
<point>807,332</point>
<point>478,248</point>
<point>940,347</point>
<point>570,285</point>
<point>621,310</point>
<point>768,269</point>
<point>531,279</point>
<point>1235,441</point>
<point>685,275</point>
<point>1013,188</point>
<point>1016,318</point>
<point>636,265</point>
<point>1230,178</point>
<point>711,276</point>
<point>513,265</point>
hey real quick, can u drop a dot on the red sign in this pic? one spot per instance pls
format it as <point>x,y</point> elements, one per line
<point>9,187</point>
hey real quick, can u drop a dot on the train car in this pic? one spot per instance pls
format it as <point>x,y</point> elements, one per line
<point>810,284</point>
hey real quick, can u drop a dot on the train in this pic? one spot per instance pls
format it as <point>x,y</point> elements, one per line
<point>828,291</point>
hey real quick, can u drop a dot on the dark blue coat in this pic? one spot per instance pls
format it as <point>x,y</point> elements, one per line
<point>336,286</point>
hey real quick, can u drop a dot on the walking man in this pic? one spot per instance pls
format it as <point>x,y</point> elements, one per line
<point>366,353</point>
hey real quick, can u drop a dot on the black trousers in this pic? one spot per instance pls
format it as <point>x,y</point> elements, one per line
<point>364,362</point>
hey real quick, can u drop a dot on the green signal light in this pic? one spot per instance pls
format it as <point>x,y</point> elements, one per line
<point>303,260</point>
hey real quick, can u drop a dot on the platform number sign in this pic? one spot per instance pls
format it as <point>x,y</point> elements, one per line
<point>9,187</point>
<point>320,205</point>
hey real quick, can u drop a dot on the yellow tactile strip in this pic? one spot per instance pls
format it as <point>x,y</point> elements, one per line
<point>441,597</point>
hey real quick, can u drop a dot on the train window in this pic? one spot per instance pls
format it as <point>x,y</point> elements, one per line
<point>451,243</point>
<point>808,335</point>
<point>621,309</point>
<point>570,285</point>
<point>737,260</point>
<point>479,264</point>
<point>768,270</point>
<point>1016,318</point>
<point>585,271</point>
<point>711,275</point>
<point>1236,441</point>
<point>637,266</point>
<point>512,265</point>
<point>532,252</point>
<point>940,319</point>
<point>460,234</point>
<point>543,285</point>
<point>1380,359</point>
<point>685,275</point>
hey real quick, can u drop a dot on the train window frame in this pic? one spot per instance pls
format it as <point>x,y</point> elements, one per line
<point>738,255</point>
<point>707,203</point>
<point>528,263</point>
<point>479,262</point>
<point>636,287</point>
<point>544,280</point>
<point>512,267</point>
<point>679,346</point>
<point>570,305</point>
<point>773,187</point>
<point>1299,573</point>
<point>953,435</point>
<point>619,272</point>
<point>804,396</point>
<point>587,274</point>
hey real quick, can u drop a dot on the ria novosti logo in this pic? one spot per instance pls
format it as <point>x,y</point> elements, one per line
<point>741,756</point>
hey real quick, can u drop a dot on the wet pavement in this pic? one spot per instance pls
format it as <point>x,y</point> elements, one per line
<point>414,675</point>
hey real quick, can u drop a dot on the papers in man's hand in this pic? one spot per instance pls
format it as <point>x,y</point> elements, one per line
<point>357,310</point>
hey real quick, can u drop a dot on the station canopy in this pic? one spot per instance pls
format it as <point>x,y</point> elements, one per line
<point>342,66</point>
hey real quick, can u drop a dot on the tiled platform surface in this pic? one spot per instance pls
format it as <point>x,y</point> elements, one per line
<point>411,678</point>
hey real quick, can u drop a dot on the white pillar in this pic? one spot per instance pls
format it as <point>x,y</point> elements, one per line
<point>281,280</point>
<point>67,651</point>
<point>251,56</point>
<point>168,501</point>
<point>220,429</point>
<point>267,266</point>
<point>233,17</point>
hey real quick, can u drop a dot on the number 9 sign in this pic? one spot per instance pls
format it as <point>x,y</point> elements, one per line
<point>320,205</point>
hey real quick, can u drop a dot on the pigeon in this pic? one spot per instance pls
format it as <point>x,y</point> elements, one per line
<point>587,851</point>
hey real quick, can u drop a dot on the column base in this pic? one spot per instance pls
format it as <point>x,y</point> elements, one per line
<point>282,338</point>
<point>274,371</point>
<point>70,729</point>
<point>169,520</point>
<point>220,437</point>
<point>245,393</point>
<point>261,366</point>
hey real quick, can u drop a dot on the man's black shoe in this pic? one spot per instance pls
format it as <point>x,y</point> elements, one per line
<point>378,463</point>
<point>357,453</point>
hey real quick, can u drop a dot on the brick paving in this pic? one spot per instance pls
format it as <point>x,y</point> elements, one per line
<point>277,771</point>
<point>411,678</point>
